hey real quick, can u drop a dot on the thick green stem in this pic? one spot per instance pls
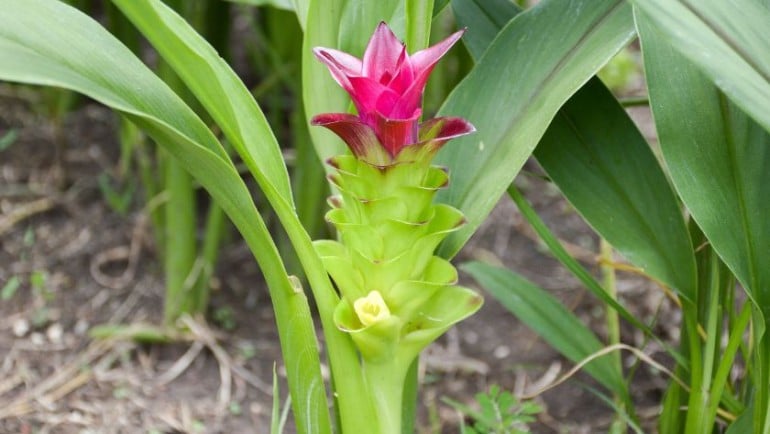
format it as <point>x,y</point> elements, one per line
<point>180,245</point>
<point>385,383</point>
<point>409,404</point>
<point>356,413</point>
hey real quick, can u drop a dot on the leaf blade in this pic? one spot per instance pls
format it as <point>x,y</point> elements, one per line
<point>541,312</point>
<point>719,160</point>
<point>728,41</point>
<point>511,119</point>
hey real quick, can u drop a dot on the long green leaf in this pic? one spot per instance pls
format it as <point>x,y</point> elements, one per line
<point>718,158</point>
<point>568,261</point>
<point>196,54</point>
<point>604,167</point>
<point>48,43</point>
<point>218,89</point>
<point>728,40</point>
<point>533,66</point>
<point>544,314</point>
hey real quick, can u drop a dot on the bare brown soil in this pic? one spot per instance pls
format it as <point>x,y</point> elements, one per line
<point>73,258</point>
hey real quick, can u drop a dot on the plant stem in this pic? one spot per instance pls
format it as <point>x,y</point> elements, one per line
<point>761,366</point>
<point>613,325</point>
<point>726,361</point>
<point>216,223</point>
<point>385,383</point>
<point>690,329</point>
<point>409,404</point>
<point>180,240</point>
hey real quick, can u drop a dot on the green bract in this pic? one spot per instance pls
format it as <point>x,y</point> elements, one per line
<point>389,229</point>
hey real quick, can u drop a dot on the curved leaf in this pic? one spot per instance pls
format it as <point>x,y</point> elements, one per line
<point>604,167</point>
<point>541,312</point>
<point>602,164</point>
<point>728,40</point>
<point>210,79</point>
<point>719,160</point>
<point>533,66</point>
<point>48,43</point>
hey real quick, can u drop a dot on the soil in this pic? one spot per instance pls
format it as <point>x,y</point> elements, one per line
<point>72,256</point>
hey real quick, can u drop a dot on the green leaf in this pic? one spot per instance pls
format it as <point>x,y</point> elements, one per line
<point>728,40</point>
<point>484,19</point>
<point>185,50</point>
<point>611,176</point>
<point>210,78</point>
<point>360,18</point>
<point>718,158</point>
<point>743,424</point>
<point>8,139</point>
<point>604,167</point>
<point>533,66</point>
<point>48,43</point>
<point>279,4</point>
<point>544,314</point>
<point>10,287</point>
<point>570,263</point>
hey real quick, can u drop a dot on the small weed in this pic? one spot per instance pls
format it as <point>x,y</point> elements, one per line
<point>29,237</point>
<point>224,318</point>
<point>247,351</point>
<point>8,139</point>
<point>198,426</point>
<point>500,413</point>
<point>38,280</point>
<point>117,198</point>
<point>10,287</point>
<point>235,408</point>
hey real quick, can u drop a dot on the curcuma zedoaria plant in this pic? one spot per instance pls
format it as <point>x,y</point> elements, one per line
<point>396,296</point>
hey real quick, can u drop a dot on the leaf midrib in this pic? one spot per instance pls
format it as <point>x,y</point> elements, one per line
<point>738,185</point>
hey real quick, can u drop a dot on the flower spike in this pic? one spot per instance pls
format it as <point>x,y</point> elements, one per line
<point>396,295</point>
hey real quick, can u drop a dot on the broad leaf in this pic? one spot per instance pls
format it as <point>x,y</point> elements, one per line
<point>48,43</point>
<point>533,66</point>
<point>728,40</point>
<point>604,167</point>
<point>548,317</point>
<point>219,90</point>
<point>719,160</point>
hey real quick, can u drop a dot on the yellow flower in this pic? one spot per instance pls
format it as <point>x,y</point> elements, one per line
<point>371,309</point>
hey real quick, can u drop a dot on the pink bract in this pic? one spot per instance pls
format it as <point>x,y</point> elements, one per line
<point>386,87</point>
